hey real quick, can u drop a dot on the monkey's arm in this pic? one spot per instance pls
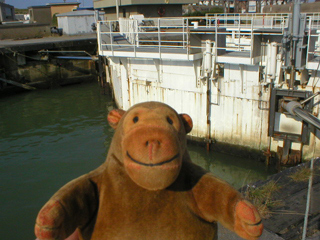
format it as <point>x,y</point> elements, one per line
<point>218,201</point>
<point>71,207</point>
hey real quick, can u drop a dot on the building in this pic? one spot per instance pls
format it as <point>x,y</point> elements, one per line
<point>40,14</point>
<point>155,8</point>
<point>6,12</point>
<point>77,22</point>
<point>46,14</point>
<point>58,8</point>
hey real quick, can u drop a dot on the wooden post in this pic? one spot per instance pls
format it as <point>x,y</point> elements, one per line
<point>17,84</point>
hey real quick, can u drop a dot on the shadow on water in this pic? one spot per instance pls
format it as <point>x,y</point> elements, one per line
<point>237,171</point>
<point>50,137</point>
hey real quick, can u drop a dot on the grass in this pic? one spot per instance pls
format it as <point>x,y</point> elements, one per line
<point>302,175</point>
<point>261,197</point>
<point>21,11</point>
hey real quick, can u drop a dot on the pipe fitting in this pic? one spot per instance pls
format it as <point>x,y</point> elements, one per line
<point>291,106</point>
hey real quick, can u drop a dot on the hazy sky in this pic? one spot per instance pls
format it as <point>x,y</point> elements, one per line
<point>28,3</point>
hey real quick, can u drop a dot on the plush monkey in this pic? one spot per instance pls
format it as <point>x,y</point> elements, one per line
<point>148,188</point>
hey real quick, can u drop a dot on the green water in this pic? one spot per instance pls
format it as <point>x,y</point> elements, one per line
<point>50,137</point>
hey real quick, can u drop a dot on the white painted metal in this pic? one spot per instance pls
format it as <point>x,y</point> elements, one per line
<point>170,69</point>
<point>272,61</point>
<point>208,58</point>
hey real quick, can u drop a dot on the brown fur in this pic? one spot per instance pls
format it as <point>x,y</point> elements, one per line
<point>148,188</point>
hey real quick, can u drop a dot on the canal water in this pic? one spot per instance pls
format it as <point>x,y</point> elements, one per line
<point>49,137</point>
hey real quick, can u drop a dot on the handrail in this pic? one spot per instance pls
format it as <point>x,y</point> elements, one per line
<point>258,20</point>
<point>177,33</point>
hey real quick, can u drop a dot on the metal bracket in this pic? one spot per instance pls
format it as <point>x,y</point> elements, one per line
<point>279,95</point>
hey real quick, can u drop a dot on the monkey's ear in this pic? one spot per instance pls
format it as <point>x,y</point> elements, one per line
<point>187,122</point>
<point>114,117</point>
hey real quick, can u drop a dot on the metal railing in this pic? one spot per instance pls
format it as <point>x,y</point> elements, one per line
<point>313,21</point>
<point>179,34</point>
<point>254,20</point>
<point>165,31</point>
<point>146,33</point>
<point>313,45</point>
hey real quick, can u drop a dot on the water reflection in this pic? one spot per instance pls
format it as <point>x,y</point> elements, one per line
<point>47,138</point>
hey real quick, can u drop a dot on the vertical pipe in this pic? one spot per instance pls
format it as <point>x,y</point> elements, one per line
<point>273,60</point>
<point>159,38</point>
<point>183,32</point>
<point>134,37</point>
<point>207,70</point>
<point>309,35</point>
<point>213,59</point>
<point>117,9</point>
<point>100,77</point>
<point>99,38</point>
<point>296,18</point>
<point>295,37</point>
<point>208,113</point>
<point>268,152</point>
<point>241,78</point>
<point>239,36</point>
<point>216,44</point>
<point>208,58</point>
<point>137,32</point>
<point>188,39</point>
<point>111,37</point>
<point>252,40</point>
<point>268,61</point>
<point>305,225</point>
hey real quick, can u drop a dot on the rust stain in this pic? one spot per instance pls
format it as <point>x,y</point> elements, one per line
<point>293,158</point>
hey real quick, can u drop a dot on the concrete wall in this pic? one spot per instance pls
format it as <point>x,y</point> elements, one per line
<point>108,3</point>
<point>23,31</point>
<point>126,11</point>
<point>305,8</point>
<point>54,72</point>
<point>147,10</point>
<point>59,72</point>
<point>152,10</point>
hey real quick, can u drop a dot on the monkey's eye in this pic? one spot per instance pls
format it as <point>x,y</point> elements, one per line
<point>135,119</point>
<point>169,120</point>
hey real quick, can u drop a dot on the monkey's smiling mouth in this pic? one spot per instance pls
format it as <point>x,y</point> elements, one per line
<point>152,164</point>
